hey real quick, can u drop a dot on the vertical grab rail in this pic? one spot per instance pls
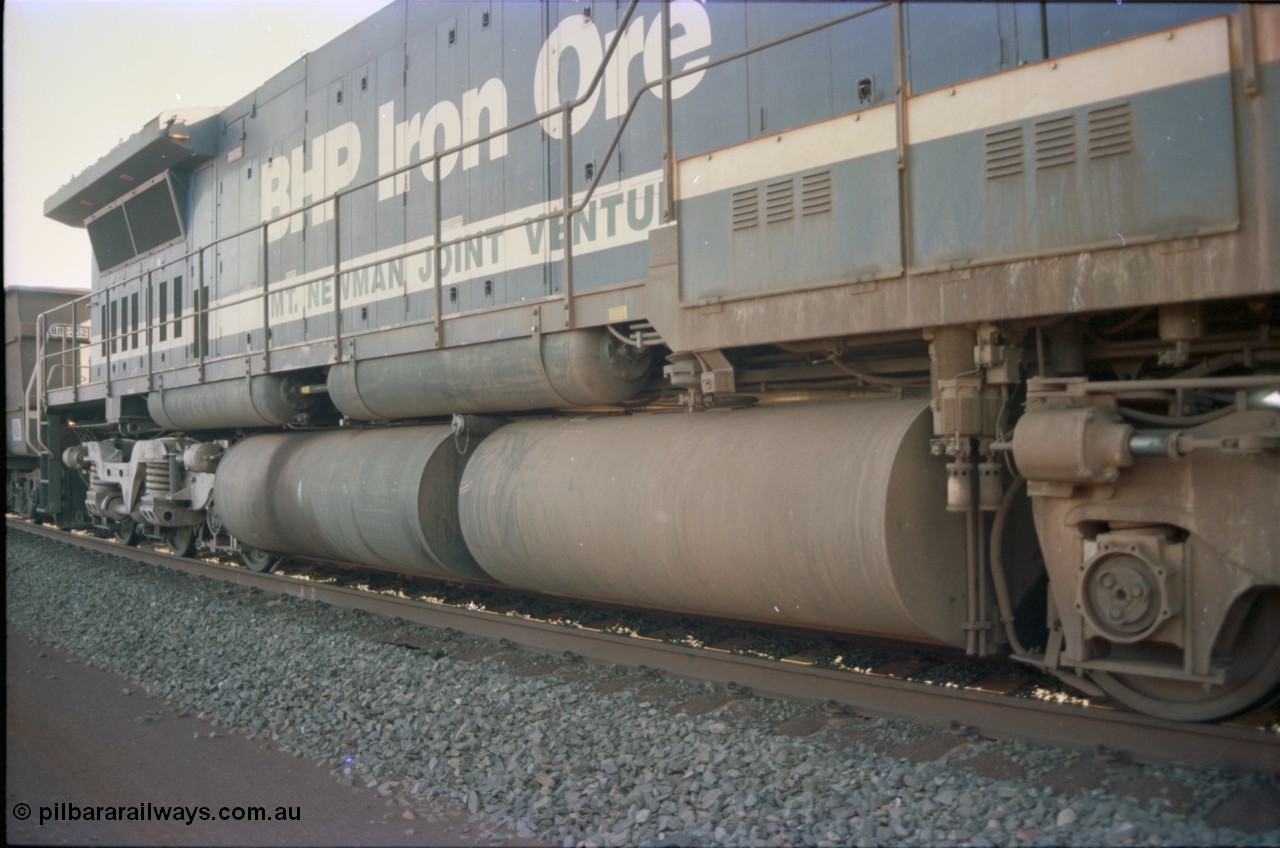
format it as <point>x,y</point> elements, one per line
<point>435,253</point>
<point>900,95</point>
<point>109,340</point>
<point>337,278</point>
<point>566,187</point>
<point>266,307</point>
<point>668,143</point>
<point>179,318</point>
<point>151,364</point>
<point>35,383</point>
<point>75,357</point>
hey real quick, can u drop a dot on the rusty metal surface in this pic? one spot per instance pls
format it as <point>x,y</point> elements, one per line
<point>1217,267</point>
<point>1061,725</point>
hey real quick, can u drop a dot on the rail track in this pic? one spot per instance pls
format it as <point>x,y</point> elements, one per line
<point>1250,742</point>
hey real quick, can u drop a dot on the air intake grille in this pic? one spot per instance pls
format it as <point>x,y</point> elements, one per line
<point>779,201</point>
<point>746,208</point>
<point>1004,154</point>
<point>1055,142</point>
<point>815,193</point>
<point>1110,131</point>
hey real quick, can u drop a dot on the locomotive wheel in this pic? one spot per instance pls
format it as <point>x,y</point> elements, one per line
<point>257,560</point>
<point>127,532</point>
<point>1252,678</point>
<point>181,540</point>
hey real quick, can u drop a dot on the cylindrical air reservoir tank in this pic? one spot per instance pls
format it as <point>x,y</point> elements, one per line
<point>385,497</point>
<point>825,515</point>
<point>267,400</point>
<point>575,368</point>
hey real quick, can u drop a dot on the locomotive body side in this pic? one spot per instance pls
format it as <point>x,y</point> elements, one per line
<point>946,266</point>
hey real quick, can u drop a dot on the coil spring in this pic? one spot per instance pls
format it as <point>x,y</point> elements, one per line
<point>158,478</point>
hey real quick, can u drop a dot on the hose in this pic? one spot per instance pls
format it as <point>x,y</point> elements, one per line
<point>997,564</point>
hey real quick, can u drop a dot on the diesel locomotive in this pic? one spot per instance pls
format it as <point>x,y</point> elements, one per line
<point>953,323</point>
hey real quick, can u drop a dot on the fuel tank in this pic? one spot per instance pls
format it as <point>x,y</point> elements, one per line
<point>268,400</point>
<point>829,516</point>
<point>385,498</point>
<point>575,368</point>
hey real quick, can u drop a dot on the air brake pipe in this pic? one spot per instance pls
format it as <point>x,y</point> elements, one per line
<point>1150,444</point>
<point>1249,381</point>
<point>960,498</point>
<point>997,564</point>
<point>981,622</point>
<point>971,575</point>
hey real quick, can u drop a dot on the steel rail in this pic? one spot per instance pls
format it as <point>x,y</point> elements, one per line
<point>1093,728</point>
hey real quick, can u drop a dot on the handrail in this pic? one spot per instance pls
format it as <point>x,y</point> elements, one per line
<point>26,396</point>
<point>567,208</point>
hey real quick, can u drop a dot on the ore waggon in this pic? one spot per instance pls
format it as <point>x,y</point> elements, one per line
<point>949,323</point>
<point>23,306</point>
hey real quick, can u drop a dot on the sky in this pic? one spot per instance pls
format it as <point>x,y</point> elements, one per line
<point>82,75</point>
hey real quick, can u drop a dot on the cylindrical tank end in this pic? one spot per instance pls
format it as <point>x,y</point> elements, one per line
<point>381,498</point>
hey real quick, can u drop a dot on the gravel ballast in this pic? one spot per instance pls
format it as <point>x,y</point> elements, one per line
<point>578,754</point>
